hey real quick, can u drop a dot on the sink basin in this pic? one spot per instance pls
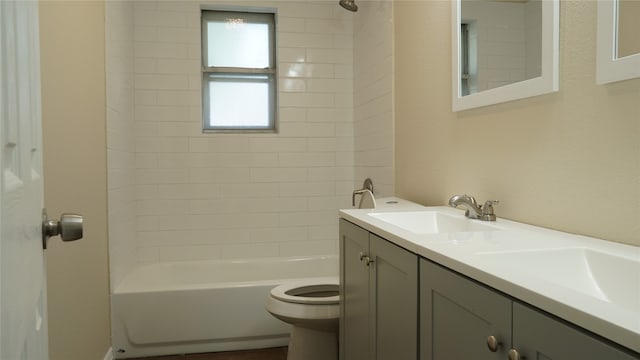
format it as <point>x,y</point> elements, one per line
<point>432,222</point>
<point>610,278</point>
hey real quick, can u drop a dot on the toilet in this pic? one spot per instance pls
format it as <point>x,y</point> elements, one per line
<point>312,307</point>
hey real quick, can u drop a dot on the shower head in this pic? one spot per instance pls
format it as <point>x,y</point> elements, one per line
<point>349,5</point>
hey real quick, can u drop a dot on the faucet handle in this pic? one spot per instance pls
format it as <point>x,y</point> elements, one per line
<point>487,210</point>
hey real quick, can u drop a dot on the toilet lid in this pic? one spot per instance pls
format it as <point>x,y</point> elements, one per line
<point>309,292</point>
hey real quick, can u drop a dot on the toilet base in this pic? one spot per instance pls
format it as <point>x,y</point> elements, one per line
<point>310,344</point>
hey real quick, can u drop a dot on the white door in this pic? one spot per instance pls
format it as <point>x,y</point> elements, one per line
<point>23,330</point>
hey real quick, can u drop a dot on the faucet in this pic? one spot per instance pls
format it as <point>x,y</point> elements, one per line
<point>367,185</point>
<point>483,212</point>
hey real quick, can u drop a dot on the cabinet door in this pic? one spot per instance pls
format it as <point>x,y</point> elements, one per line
<point>394,301</point>
<point>354,293</point>
<point>539,336</point>
<point>458,315</point>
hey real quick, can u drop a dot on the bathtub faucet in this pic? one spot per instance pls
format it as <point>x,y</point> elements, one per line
<point>368,185</point>
<point>483,212</point>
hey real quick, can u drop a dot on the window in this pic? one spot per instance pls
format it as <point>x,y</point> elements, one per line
<point>238,71</point>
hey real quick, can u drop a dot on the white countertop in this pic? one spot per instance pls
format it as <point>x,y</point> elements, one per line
<point>473,254</point>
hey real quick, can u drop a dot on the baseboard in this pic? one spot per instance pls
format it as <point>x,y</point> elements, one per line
<point>109,354</point>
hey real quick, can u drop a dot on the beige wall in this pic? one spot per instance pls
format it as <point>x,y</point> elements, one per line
<point>73,95</point>
<point>568,160</point>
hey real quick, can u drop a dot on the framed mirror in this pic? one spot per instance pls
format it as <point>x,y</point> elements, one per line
<point>618,47</point>
<point>503,50</point>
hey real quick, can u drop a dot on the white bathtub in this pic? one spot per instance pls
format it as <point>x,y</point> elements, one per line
<point>205,306</point>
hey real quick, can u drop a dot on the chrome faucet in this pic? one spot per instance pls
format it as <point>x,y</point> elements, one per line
<point>484,212</point>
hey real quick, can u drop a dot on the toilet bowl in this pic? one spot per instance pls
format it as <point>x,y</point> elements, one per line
<point>312,307</point>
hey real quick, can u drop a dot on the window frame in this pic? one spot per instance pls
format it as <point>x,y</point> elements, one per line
<point>271,74</point>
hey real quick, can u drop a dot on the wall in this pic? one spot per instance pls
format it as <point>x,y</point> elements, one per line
<point>73,112</point>
<point>373,95</point>
<point>568,160</point>
<point>212,196</point>
<point>120,136</point>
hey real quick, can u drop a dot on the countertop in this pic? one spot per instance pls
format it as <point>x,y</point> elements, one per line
<point>472,254</point>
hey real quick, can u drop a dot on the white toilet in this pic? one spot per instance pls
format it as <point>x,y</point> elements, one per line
<point>312,308</point>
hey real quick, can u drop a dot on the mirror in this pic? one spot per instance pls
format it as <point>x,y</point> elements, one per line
<point>618,48</point>
<point>503,50</point>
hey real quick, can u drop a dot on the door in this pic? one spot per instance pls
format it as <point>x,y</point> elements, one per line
<point>394,305</point>
<point>23,330</point>
<point>354,292</point>
<point>540,336</point>
<point>461,319</point>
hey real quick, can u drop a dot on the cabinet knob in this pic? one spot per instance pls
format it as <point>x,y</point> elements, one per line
<point>515,355</point>
<point>362,256</point>
<point>368,261</point>
<point>492,343</point>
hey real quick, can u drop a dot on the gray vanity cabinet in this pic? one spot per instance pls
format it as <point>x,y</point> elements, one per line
<point>379,289</point>
<point>458,316</point>
<point>540,336</point>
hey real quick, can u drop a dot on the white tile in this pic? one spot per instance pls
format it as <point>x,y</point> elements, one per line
<point>290,25</point>
<point>308,248</point>
<point>278,145</point>
<point>161,50</point>
<point>145,17</point>
<point>179,98</point>
<point>309,218</point>
<point>306,70</point>
<point>161,82</point>
<point>179,35</point>
<point>292,55</point>
<point>189,253</point>
<point>314,159</point>
<point>307,189</point>
<point>330,56</point>
<point>145,33</point>
<point>177,66</point>
<point>278,174</point>
<point>162,207</point>
<point>307,100</point>
<point>215,176</point>
<point>161,176</point>
<point>242,251</point>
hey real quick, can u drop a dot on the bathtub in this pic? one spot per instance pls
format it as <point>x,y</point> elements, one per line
<point>205,306</point>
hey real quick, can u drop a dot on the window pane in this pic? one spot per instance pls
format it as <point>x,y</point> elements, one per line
<point>236,42</point>
<point>236,103</point>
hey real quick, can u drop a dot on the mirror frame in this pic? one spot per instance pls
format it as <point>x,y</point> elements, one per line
<point>544,84</point>
<point>610,68</point>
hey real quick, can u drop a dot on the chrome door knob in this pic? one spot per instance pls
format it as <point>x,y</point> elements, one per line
<point>69,227</point>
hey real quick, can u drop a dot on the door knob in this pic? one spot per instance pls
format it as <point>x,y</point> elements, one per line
<point>69,227</point>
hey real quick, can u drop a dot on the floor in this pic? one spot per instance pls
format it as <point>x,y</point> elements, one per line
<point>262,354</point>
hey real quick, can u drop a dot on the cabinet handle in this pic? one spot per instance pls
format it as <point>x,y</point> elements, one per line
<point>515,355</point>
<point>368,261</point>
<point>492,343</point>
<point>362,256</point>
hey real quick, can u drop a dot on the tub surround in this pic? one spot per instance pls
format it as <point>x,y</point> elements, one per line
<point>474,254</point>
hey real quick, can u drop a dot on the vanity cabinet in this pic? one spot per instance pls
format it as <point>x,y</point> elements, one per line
<point>379,297</point>
<point>459,318</point>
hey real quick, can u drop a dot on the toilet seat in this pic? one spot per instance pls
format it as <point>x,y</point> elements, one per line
<point>312,292</point>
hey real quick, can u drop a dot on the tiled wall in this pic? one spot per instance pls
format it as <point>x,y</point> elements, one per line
<point>120,140</point>
<point>233,196</point>
<point>373,96</point>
